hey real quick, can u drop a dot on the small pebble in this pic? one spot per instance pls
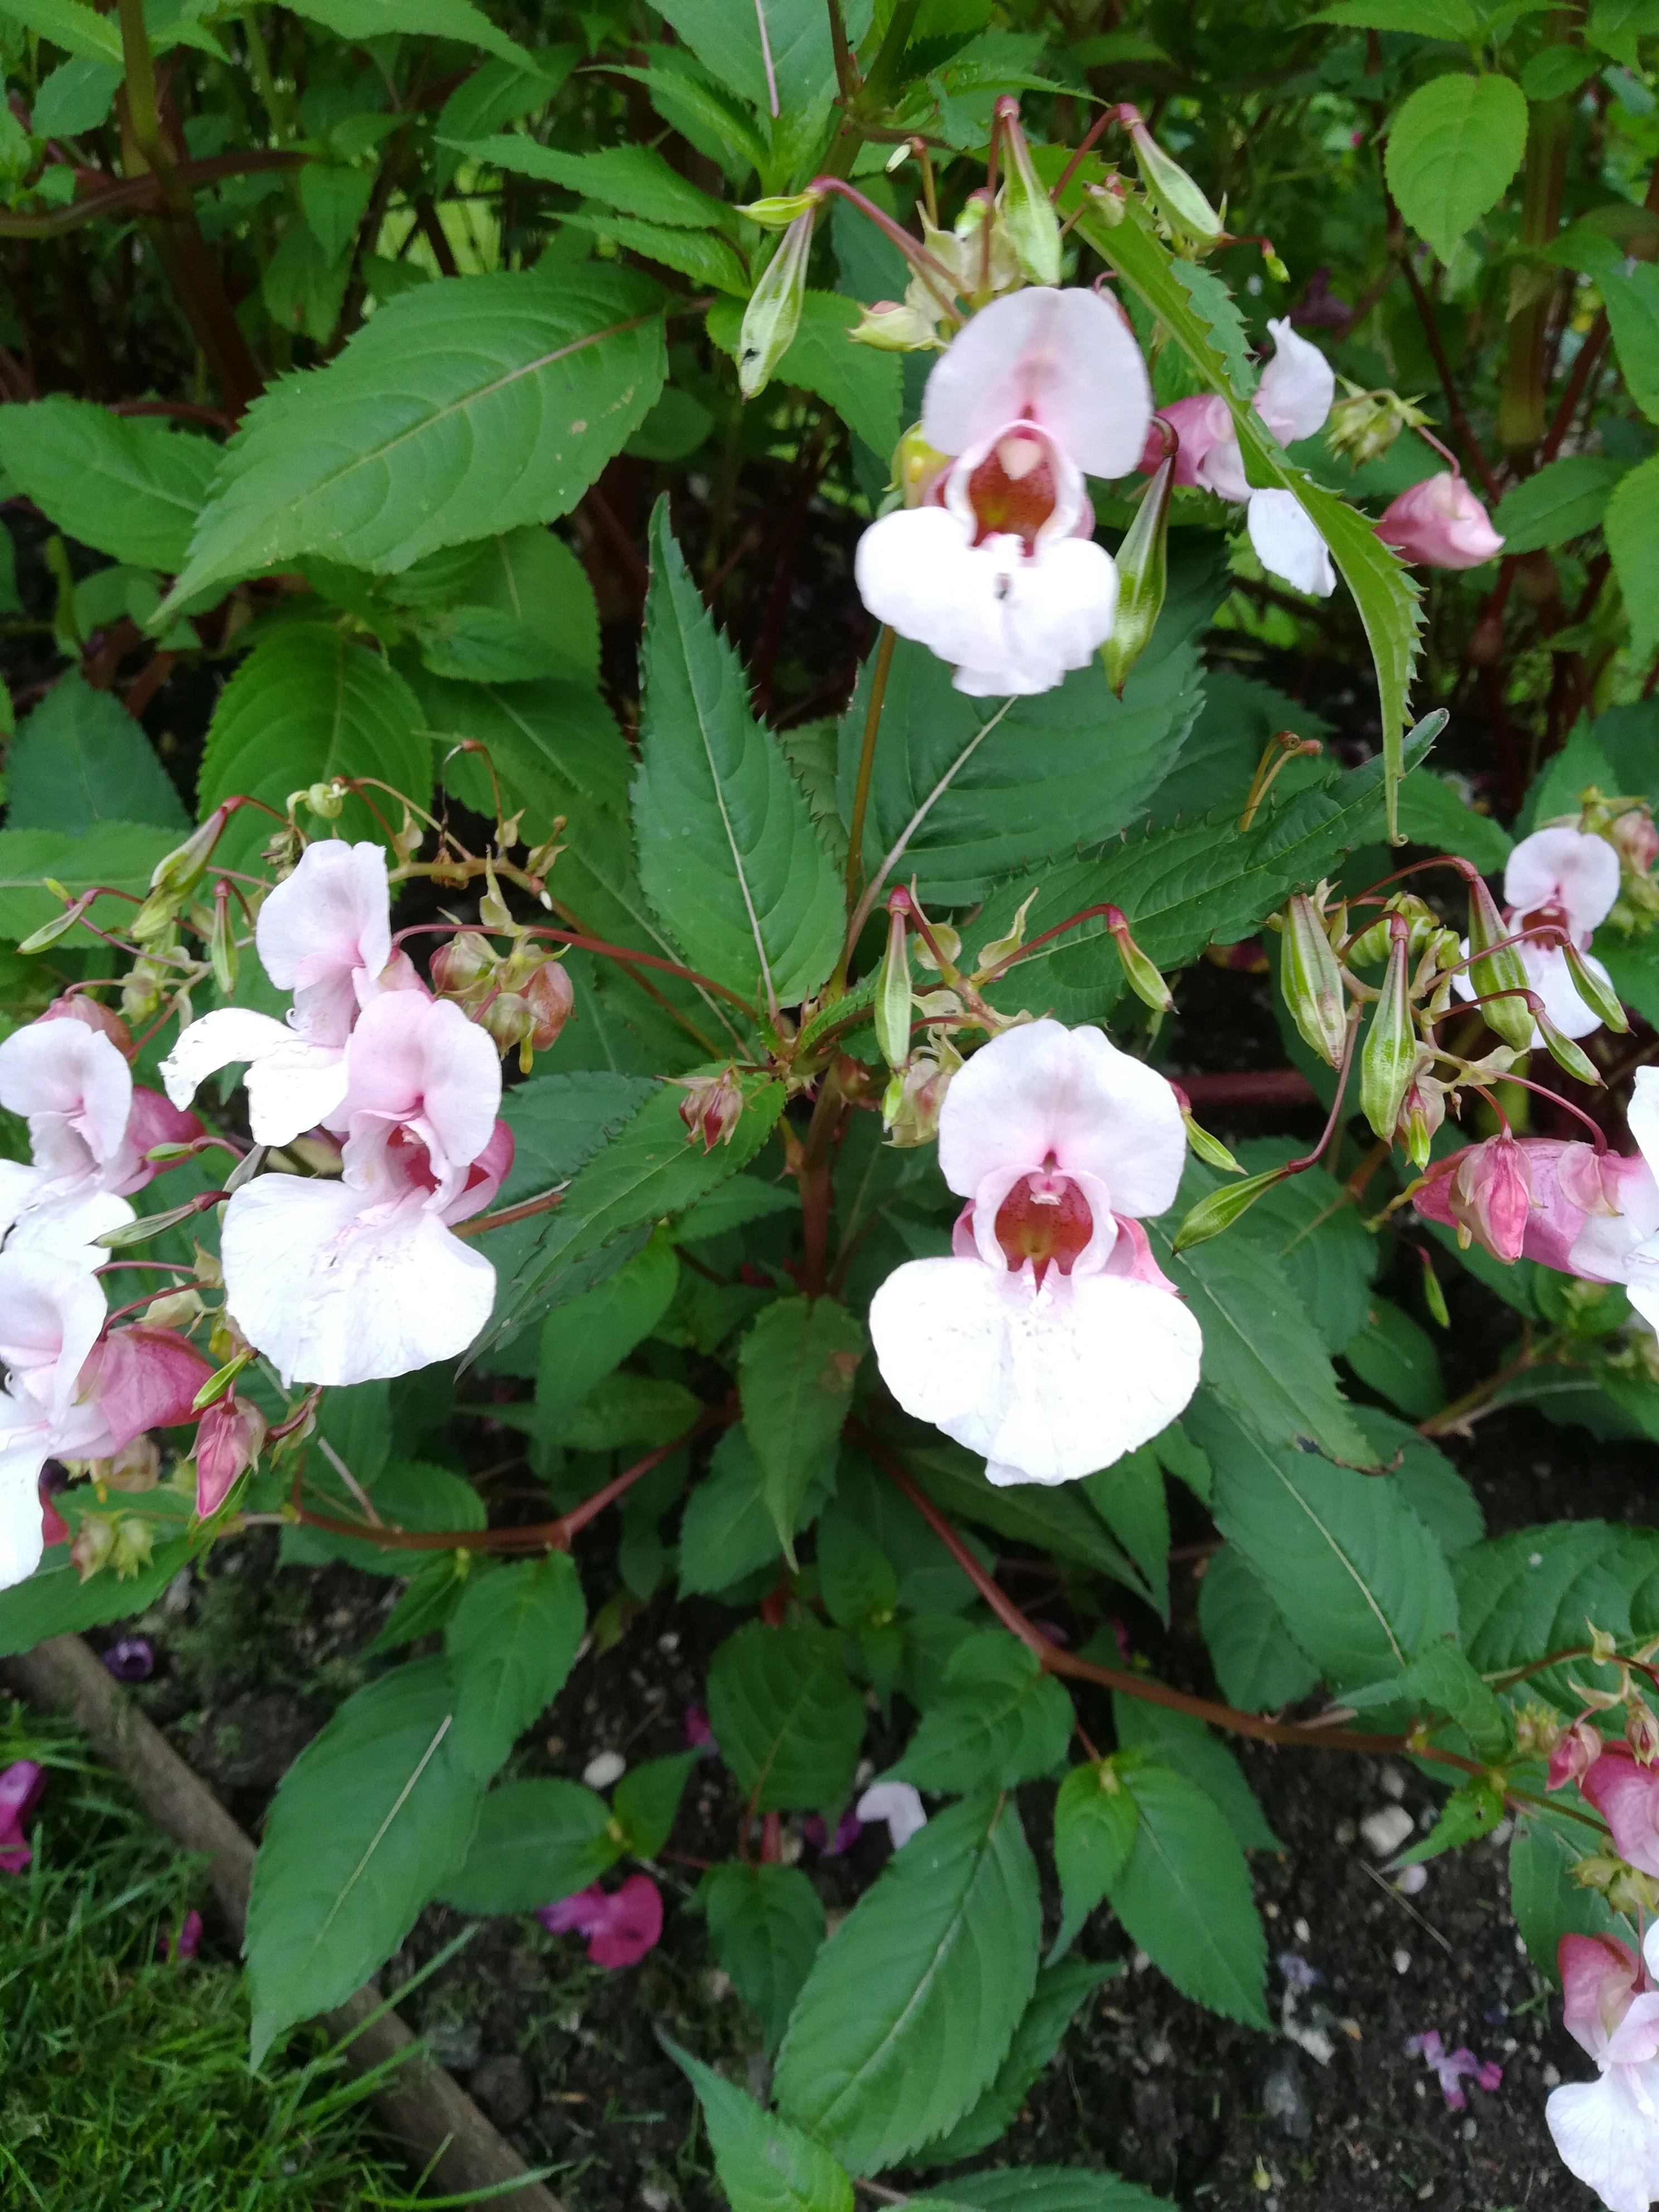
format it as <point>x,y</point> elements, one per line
<point>1301,1929</point>
<point>1394,1782</point>
<point>668,1645</point>
<point>1346,1832</point>
<point>604,1768</point>
<point>1385,1832</point>
<point>1402,1962</point>
<point>655,2200</point>
<point>1411,1879</point>
<point>1551,2078</point>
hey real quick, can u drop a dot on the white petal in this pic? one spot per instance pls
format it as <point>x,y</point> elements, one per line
<point>1296,388</point>
<point>23,1455</point>
<point>1641,1280</point>
<point>1603,2137</point>
<point>1643,1115</point>
<point>292,1084</point>
<point>63,1228</point>
<point>1042,1088</point>
<point>1046,1385</point>
<point>63,1071</point>
<point>899,1804</point>
<point>1222,469</point>
<point>1603,1247</point>
<point>1287,544</point>
<point>1065,359</point>
<point>1563,864</point>
<point>334,1293</point>
<point>19,1185</point>
<point>231,1034</point>
<point>51,1313</point>
<point>332,915</point>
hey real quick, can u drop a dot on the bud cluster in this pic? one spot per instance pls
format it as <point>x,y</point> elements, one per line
<point>523,997</point>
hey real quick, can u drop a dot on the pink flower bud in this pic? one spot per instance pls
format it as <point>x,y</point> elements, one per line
<point>77,1006</point>
<point>231,1436</point>
<point>1491,1196</point>
<point>1642,1732</point>
<point>1626,1796</point>
<point>462,965</point>
<point>551,998</point>
<point>1635,840</point>
<point>1440,524</point>
<point>711,1106</point>
<point>1576,1751</point>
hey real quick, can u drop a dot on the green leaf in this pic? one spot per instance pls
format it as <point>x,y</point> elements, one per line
<point>728,855</point>
<point>1396,1356</point>
<point>1439,1496</point>
<point>1360,1582</point>
<point>1632,534</point>
<point>1184,1897</point>
<point>425,1604</point>
<point>589,1336</point>
<point>1473,1809</point>
<point>117,856</point>
<point>492,96</point>
<point>1060,1991</point>
<point>1070,767</point>
<point>764,2165</point>
<point>1178,1739</point>
<point>795,1371</point>
<point>1432,813</point>
<point>727,41</point>
<point>911,2007</point>
<point>1257,1661</point>
<point>74,98</point>
<point>1615,26</point>
<point>1053,1521</point>
<point>703,256</point>
<point>1044,2189</point>
<point>365,1825</point>
<point>306,705</point>
<point>648,1799</point>
<point>631,1409</point>
<point>1522,1596</point>
<point>130,485</point>
<point>511,1642</point>
<point>856,1579</point>
<point>1314,1231</point>
<point>1094,1822</point>
<point>409,1495</point>
<point>1001,1721</point>
<point>334,197</point>
<point>635,178</point>
<point>1128,1495</point>
<point>358,21</point>
<point>1428,19</point>
<point>727,1531</point>
<point>1562,501</point>
<point>1546,1902</point>
<point>1262,1356</point>
<point>54,1601</point>
<point>77,29</point>
<point>1440,1681</point>
<point>465,408</point>
<point>787,1720</point>
<point>80,759</point>
<point>765,1925</point>
<point>535,1843</point>
<point>860,383</point>
<point>1452,150</point>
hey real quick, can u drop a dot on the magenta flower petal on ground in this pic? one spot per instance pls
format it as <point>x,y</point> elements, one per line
<point>21,1785</point>
<point>1439,524</point>
<point>185,1944</point>
<point>1455,2067</point>
<point>621,1925</point>
<point>899,1804</point>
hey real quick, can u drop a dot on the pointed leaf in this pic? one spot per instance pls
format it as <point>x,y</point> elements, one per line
<point>1184,1897</point>
<point>765,1924</point>
<point>786,1718</point>
<point>1180,1740</point>
<point>511,1643</point>
<point>764,2165</point>
<point>80,759</point>
<point>1452,150</point>
<point>1257,1661</point>
<point>535,1843</point>
<point>1001,1721</point>
<point>131,486</point>
<point>1060,1991</point>
<point>1095,1822</point>
<point>795,1371</point>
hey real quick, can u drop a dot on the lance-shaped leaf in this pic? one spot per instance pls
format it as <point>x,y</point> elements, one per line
<point>511,1642</point>
<point>1060,1991</point>
<point>765,1924</point>
<point>764,2165</point>
<point>131,486</point>
<point>728,854</point>
<point>795,1373</point>
<point>786,1716</point>
<point>459,410</point>
<point>535,1843</point>
<point>1001,1721</point>
<point>1095,1822</point>
<point>1184,1896</point>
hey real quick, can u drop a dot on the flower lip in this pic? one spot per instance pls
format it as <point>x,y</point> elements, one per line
<point>1046,1220</point>
<point>1016,488</point>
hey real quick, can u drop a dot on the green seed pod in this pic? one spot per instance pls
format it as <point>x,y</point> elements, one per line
<point>1177,198</point>
<point>1033,227</point>
<point>1143,568</point>
<point>1311,977</point>
<point>773,315</point>
<point>893,992</point>
<point>1222,1207</point>
<point>1138,972</point>
<point>1564,1052</point>
<point>1499,970</point>
<point>1388,1059</point>
<point>1595,990</point>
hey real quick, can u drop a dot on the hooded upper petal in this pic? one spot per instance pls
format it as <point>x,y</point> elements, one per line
<point>1626,1796</point>
<point>1598,1979</point>
<point>1066,358</point>
<point>1042,1089</point>
<point>1045,1383</point>
<point>332,917</point>
<point>141,1378</point>
<point>1297,387</point>
<point>1287,543</point>
<point>420,1060</point>
<point>1606,2133</point>
<point>334,1290</point>
<point>74,1089</point>
<point>1564,867</point>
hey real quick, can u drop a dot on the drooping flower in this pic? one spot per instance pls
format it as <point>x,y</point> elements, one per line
<point>1439,524</point>
<point>997,573</point>
<point>338,1282</point>
<point>21,1785</point>
<point>1568,1186</point>
<point>1622,1245</point>
<point>1575,1752</point>
<point>1559,880</point>
<point>1606,2131</point>
<point>89,1129</point>
<point>229,1437</point>
<point>621,1925</point>
<point>1625,1793</point>
<point>1454,2067</point>
<point>325,935</point>
<point>1293,398</point>
<point>1050,1341</point>
<point>899,1804</point>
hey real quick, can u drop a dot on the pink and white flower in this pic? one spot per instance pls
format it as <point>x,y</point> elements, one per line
<point>1565,1187</point>
<point>338,1282</point>
<point>1050,1342</point>
<point>1625,1793</point>
<point>1439,524</point>
<point>1559,878</point>
<point>89,1130</point>
<point>1293,398</point>
<point>1606,2131</point>
<point>325,935</point>
<point>999,572</point>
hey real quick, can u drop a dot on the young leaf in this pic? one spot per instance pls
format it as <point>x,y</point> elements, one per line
<point>795,1372</point>
<point>1441,1681</point>
<point>1452,150</point>
<point>647,1799</point>
<point>1522,1595</point>
<point>910,2008</point>
<point>129,486</point>
<point>764,2165</point>
<point>1129,1498</point>
<point>1095,1822</point>
<point>365,1825</point>
<point>1184,1897</point>
<point>547,372</point>
<point>535,1843</point>
<point>1060,1991</point>
<point>635,178</point>
<point>1564,501</point>
<point>1001,1721</point>
<point>80,759</point>
<point>787,1720</point>
<point>359,20</point>
<point>1257,1661</point>
<point>765,1925</point>
<point>1178,1739</point>
<point>728,855</point>
<point>511,1643</point>
<point>582,1340</point>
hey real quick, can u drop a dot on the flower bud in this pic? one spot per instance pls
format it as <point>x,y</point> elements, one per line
<point>464,968</point>
<point>1029,213</point>
<point>711,1106</point>
<point>1496,967</point>
<point>77,1007</point>
<point>179,873</point>
<point>1634,838</point>
<point>507,1020</point>
<point>892,1008</point>
<point>773,315</point>
<point>1143,570</point>
<point>1574,1754</point>
<point>894,326</point>
<point>229,1437</point>
<point>130,1554</point>
<point>1362,425</point>
<point>1424,1111</point>
<point>174,1310</point>
<point>141,992</point>
<point>1593,989</point>
<point>910,1105</point>
<point>326,799</point>
<point>782,209</point>
<point>1311,977</point>
<point>1489,1196</point>
<point>137,1466</point>
<point>551,997</point>
<point>1388,1059</point>
<point>223,956</point>
<point>91,1545</point>
<point>1001,949</point>
<point>1172,192</point>
<point>1222,1207</point>
<point>1142,977</point>
<point>1641,1731</point>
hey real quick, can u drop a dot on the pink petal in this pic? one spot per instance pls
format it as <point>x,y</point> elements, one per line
<point>418,1060</point>
<point>1626,1796</point>
<point>631,1925</point>
<point>484,1177</point>
<point>65,1072</point>
<point>332,915</point>
<point>1563,866</point>
<point>141,1378</point>
<point>1067,359</point>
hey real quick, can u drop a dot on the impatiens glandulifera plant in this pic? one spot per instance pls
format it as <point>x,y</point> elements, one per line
<point>779,597</point>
